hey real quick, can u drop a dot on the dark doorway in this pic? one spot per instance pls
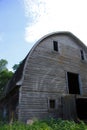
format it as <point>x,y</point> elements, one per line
<point>81,105</point>
<point>73,83</point>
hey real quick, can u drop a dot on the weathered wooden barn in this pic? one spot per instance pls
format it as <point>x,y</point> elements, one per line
<point>50,82</point>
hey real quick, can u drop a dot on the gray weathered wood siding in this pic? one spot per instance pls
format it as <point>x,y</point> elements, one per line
<point>45,77</point>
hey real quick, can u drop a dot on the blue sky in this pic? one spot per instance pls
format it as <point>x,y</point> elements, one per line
<point>13,46</point>
<point>23,22</point>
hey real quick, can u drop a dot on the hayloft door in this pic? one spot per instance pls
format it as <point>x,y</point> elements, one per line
<point>73,83</point>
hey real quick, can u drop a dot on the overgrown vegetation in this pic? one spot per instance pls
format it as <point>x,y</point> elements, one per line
<point>45,125</point>
<point>5,74</point>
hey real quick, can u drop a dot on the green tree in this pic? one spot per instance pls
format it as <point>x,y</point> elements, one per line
<point>5,75</point>
<point>15,67</point>
<point>3,64</point>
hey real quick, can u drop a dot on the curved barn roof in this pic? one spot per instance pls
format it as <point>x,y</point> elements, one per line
<point>60,33</point>
<point>19,74</point>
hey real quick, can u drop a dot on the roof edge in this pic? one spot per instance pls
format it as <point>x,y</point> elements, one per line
<point>46,36</point>
<point>59,33</point>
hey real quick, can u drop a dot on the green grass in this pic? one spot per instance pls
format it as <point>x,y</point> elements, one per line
<point>45,125</point>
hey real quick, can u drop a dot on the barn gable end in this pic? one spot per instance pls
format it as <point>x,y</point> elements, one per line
<point>53,75</point>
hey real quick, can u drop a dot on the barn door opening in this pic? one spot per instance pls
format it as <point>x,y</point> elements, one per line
<point>81,105</point>
<point>73,83</point>
<point>69,107</point>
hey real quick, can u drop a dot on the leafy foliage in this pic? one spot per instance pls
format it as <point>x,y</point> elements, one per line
<point>45,125</point>
<point>3,64</point>
<point>15,67</point>
<point>5,75</point>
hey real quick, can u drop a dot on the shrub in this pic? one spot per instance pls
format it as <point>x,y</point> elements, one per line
<point>45,125</point>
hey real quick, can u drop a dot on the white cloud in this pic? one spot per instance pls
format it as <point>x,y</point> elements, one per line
<point>46,16</point>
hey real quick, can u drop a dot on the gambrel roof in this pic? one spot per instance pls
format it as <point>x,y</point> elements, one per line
<point>17,78</point>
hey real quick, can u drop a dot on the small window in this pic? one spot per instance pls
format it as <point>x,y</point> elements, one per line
<point>82,55</point>
<point>52,104</point>
<point>55,45</point>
